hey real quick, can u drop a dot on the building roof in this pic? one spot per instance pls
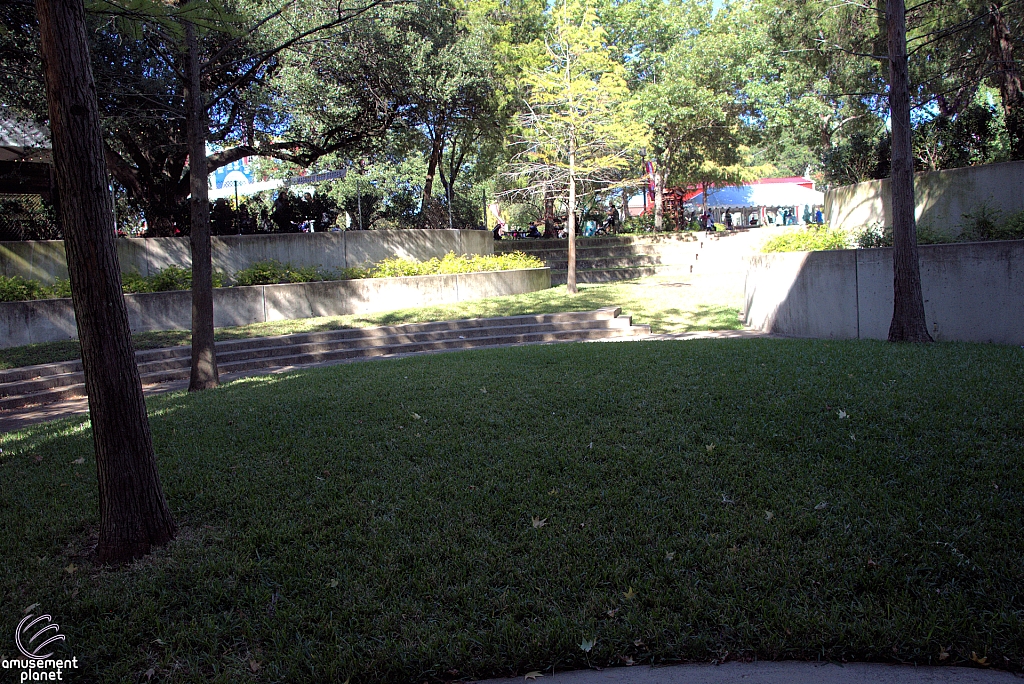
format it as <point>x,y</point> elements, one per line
<point>22,139</point>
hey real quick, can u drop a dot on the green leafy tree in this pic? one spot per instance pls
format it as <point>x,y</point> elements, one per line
<point>580,117</point>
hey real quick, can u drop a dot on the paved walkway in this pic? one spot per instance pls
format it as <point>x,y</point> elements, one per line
<point>788,672</point>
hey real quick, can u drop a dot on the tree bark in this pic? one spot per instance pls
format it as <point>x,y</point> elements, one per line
<point>549,211</point>
<point>435,158</point>
<point>133,511</point>
<point>659,202</point>
<point>908,321</point>
<point>570,220</point>
<point>204,357</point>
<point>1009,79</point>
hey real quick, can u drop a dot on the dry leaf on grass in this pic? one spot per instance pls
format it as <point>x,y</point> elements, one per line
<point>587,645</point>
<point>538,522</point>
<point>629,594</point>
<point>79,461</point>
<point>821,506</point>
<point>532,675</point>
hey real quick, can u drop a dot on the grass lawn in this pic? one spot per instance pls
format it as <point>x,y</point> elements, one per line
<point>678,307</point>
<point>487,512</point>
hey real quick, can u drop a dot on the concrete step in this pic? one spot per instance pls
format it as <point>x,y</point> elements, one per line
<point>605,263</point>
<point>612,274</point>
<point>43,384</point>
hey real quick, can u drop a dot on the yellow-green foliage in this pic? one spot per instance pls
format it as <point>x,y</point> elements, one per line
<point>453,263</point>
<point>810,239</point>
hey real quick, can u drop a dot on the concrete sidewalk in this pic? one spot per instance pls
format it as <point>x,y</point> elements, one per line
<point>787,672</point>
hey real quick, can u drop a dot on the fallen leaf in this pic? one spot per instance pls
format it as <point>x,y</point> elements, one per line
<point>727,500</point>
<point>670,555</point>
<point>709,447</point>
<point>415,416</point>
<point>768,515</point>
<point>591,446</point>
<point>483,390</point>
<point>638,642</point>
<point>628,660</point>
<point>629,594</point>
<point>853,437</point>
<point>553,492</point>
<point>872,564</point>
<point>943,653</point>
<point>333,583</point>
<point>34,605</point>
<point>254,666</point>
<point>533,675</point>
<point>538,522</point>
<point>843,414</point>
<point>587,645</point>
<point>149,673</point>
<point>611,613</point>
<point>822,506</point>
<point>70,569</point>
<point>980,661</point>
<point>79,461</point>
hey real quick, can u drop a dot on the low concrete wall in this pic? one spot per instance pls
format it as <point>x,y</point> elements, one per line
<point>49,320</point>
<point>973,292</point>
<point>45,260</point>
<point>941,197</point>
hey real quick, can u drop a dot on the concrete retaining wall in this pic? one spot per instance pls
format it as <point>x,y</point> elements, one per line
<point>45,260</point>
<point>54,319</point>
<point>973,292</point>
<point>942,197</point>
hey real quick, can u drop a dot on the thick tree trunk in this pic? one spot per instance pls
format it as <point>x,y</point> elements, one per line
<point>133,512</point>
<point>570,222</point>
<point>1009,79</point>
<point>204,358</point>
<point>908,322</point>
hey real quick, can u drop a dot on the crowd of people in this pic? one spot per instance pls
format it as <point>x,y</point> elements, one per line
<point>289,214</point>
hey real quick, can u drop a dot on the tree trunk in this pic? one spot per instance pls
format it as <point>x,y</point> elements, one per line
<point>435,158</point>
<point>133,511</point>
<point>626,218</point>
<point>1009,79</point>
<point>659,202</point>
<point>204,358</point>
<point>570,221</point>
<point>908,322</point>
<point>549,211</point>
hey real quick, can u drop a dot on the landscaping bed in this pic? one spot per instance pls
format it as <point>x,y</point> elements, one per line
<point>504,511</point>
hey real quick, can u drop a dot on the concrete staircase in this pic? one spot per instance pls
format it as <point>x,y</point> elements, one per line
<point>606,259</point>
<point>53,382</point>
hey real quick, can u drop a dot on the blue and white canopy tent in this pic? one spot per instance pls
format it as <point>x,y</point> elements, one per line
<point>761,195</point>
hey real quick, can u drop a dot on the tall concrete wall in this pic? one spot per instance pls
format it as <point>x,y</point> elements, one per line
<point>49,320</point>
<point>973,292</point>
<point>45,260</point>
<point>941,197</point>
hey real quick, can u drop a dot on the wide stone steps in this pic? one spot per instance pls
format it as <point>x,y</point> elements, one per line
<point>604,259</point>
<point>50,383</point>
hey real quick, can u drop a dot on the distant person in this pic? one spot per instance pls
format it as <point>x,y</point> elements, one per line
<point>819,218</point>
<point>282,215</point>
<point>728,219</point>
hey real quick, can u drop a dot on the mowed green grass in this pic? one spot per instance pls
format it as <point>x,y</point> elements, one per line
<point>665,500</point>
<point>677,307</point>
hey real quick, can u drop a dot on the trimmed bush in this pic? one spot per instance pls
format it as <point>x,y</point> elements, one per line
<point>165,280</point>
<point>18,289</point>
<point>810,239</point>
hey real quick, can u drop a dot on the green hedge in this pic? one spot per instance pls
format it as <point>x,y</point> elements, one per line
<point>809,239</point>
<point>17,289</point>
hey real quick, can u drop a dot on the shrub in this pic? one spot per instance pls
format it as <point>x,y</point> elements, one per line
<point>273,272</point>
<point>165,280</point>
<point>452,263</point>
<point>810,239</point>
<point>18,289</point>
